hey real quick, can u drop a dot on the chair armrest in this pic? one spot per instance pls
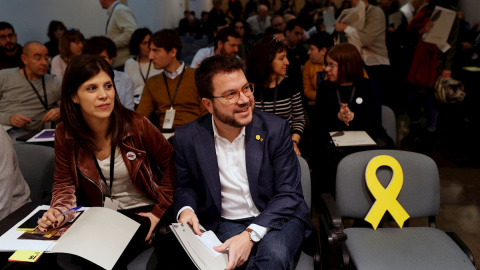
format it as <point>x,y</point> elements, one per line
<point>462,245</point>
<point>333,219</point>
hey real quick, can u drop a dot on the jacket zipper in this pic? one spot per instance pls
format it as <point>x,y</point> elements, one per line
<point>101,192</point>
<point>146,169</point>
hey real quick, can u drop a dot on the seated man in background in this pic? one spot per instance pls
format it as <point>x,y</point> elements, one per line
<point>226,43</point>
<point>105,48</point>
<point>237,173</point>
<point>14,191</point>
<point>170,99</point>
<point>29,96</point>
<point>10,50</point>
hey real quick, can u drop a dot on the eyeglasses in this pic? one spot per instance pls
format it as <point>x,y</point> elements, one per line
<point>9,36</point>
<point>234,95</point>
<point>37,57</point>
<point>331,65</point>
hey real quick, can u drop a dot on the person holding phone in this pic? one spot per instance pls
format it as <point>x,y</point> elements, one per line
<point>107,155</point>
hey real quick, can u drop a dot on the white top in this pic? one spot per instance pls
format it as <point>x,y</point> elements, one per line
<point>258,27</point>
<point>132,68</point>
<point>58,66</point>
<point>202,54</point>
<point>122,187</point>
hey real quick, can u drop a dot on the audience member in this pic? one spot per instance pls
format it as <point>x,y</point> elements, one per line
<point>15,191</point>
<point>411,8</point>
<point>183,23</point>
<point>306,14</point>
<point>139,68</point>
<point>370,41</point>
<point>120,26</point>
<point>276,93</point>
<point>296,53</point>
<point>71,45</point>
<point>226,43</point>
<point>244,31</point>
<point>56,29</point>
<point>258,23</point>
<point>277,22</point>
<point>170,99</point>
<point>105,48</point>
<point>314,71</point>
<point>94,141</point>
<point>254,201</point>
<point>274,33</point>
<point>216,17</point>
<point>345,101</point>
<point>236,9</point>
<point>10,50</point>
<point>19,107</point>
<point>288,17</point>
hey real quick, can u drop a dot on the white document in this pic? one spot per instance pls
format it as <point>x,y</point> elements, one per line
<point>442,24</point>
<point>395,19</point>
<point>329,20</point>
<point>46,135</point>
<point>200,255</point>
<point>99,235</point>
<point>209,239</point>
<point>351,138</point>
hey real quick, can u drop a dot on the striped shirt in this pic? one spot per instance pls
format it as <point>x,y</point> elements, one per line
<point>288,104</point>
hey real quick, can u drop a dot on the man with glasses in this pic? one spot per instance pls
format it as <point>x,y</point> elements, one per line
<point>10,50</point>
<point>29,96</point>
<point>237,173</point>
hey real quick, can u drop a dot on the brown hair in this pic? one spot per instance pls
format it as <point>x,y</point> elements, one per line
<point>350,63</point>
<point>64,45</point>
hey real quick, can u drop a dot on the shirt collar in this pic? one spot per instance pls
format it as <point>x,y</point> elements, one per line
<point>215,132</point>
<point>176,72</point>
<point>110,8</point>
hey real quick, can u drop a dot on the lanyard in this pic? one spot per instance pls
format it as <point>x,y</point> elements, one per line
<point>351,97</point>
<point>44,102</point>
<point>109,17</point>
<point>140,69</point>
<point>176,89</point>
<point>112,167</point>
<point>274,98</point>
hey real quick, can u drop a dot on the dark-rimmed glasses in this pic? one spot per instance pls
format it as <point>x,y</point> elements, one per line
<point>234,95</point>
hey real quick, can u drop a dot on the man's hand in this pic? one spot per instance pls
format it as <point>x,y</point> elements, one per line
<point>19,121</point>
<point>188,216</point>
<point>153,223</point>
<point>52,115</point>
<point>340,27</point>
<point>239,248</point>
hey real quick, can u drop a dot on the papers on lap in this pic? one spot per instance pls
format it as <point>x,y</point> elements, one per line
<point>46,135</point>
<point>351,138</point>
<point>200,249</point>
<point>99,235</point>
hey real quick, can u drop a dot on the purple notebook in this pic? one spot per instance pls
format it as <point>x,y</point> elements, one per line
<point>46,134</point>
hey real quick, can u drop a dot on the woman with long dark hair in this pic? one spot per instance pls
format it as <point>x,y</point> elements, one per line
<point>107,155</point>
<point>275,92</point>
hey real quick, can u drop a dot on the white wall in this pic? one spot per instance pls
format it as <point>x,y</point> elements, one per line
<point>471,9</point>
<point>30,18</point>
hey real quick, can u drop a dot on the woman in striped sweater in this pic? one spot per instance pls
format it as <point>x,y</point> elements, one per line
<point>274,91</point>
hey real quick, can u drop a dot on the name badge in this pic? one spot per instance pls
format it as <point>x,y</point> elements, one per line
<point>169,117</point>
<point>111,203</point>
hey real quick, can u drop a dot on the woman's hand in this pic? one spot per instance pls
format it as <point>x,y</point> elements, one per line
<point>49,220</point>
<point>345,115</point>
<point>153,223</point>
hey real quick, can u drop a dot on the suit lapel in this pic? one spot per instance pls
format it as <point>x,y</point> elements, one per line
<point>254,145</point>
<point>207,159</point>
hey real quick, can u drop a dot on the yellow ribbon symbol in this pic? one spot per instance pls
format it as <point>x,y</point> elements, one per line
<point>386,198</point>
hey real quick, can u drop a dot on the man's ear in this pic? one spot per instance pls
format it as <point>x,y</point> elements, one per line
<point>173,53</point>
<point>208,103</point>
<point>24,59</point>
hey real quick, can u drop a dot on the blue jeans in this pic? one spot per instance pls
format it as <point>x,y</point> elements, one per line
<point>277,248</point>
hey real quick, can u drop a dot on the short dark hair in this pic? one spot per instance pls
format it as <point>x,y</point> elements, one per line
<point>260,59</point>
<point>223,35</point>
<point>212,66</point>
<point>291,24</point>
<point>6,25</point>
<point>97,44</point>
<point>321,40</point>
<point>350,63</point>
<point>167,39</point>
<point>72,35</point>
<point>137,38</point>
<point>81,69</point>
<point>270,32</point>
<point>53,26</point>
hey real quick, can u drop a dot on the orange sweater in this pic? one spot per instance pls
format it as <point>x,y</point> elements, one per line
<point>310,81</point>
<point>188,105</point>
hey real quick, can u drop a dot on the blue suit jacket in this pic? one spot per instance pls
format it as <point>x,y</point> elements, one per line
<point>272,168</point>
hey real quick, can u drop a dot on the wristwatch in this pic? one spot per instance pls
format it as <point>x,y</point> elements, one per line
<point>254,236</point>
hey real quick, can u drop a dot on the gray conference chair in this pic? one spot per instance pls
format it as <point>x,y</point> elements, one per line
<point>37,164</point>
<point>389,122</point>
<point>392,247</point>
